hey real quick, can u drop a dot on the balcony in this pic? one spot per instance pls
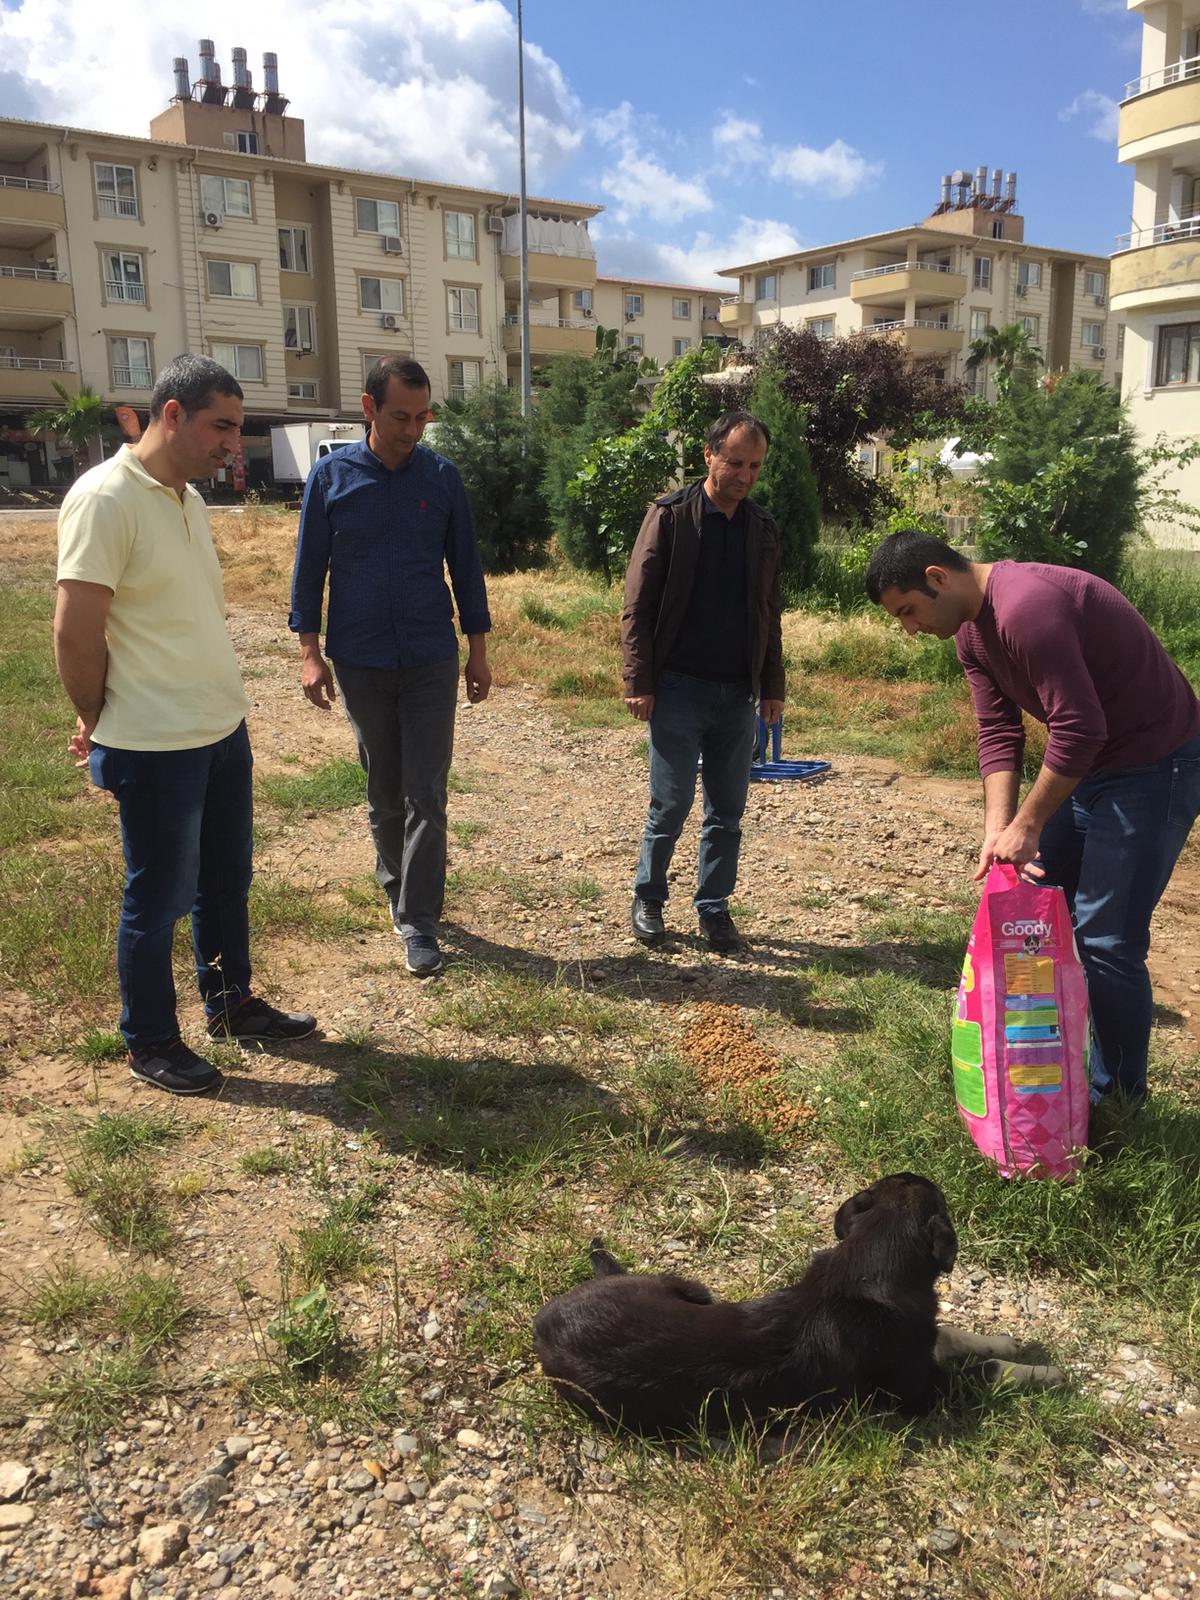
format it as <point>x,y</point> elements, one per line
<point>1157,266</point>
<point>551,336</point>
<point>1160,111</point>
<point>735,313</point>
<point>710,324</point>
<point>133,294</point>
<point>561,255</point>
<point>33,202</point>
<point>125,377</point>
<point>32,380</point>
<point>919,336</point>
<point>898,279</point>
<point>34,290</point>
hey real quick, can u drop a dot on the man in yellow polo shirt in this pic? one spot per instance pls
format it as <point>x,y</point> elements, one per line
<point>144,654</point>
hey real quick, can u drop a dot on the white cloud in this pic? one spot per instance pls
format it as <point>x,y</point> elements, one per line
<point>639,184</point>
<point>698,263</point>
<point>838,169</point>
<point>1100,111</point>
<point>425,87</point>
<point>738,135</point>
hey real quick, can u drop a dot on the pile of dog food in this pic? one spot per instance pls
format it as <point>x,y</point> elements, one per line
<point>737,1069</point>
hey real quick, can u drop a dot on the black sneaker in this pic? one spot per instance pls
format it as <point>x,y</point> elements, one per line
<point>173,1067</point>
<point>422,955</point>
<point>646,920</point>
<point>254,1021</point>
<point>720,930</point>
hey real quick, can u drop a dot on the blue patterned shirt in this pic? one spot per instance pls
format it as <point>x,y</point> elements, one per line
<point>385,538</point>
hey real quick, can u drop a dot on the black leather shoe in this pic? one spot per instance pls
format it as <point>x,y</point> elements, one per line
<point>720,930</point>
<point>646,920</point>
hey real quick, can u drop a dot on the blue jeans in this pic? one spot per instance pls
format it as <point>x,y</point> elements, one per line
<point>1112,847</point>
<point>697,720</point>
<point>186,832</point>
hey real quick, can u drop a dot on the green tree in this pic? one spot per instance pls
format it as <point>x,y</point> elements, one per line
<point>686,406</point>
<point>787,486</point>
<point>76,420</point>
<point>1012,354</point>
<point>500,458</point>
<point>607,498</point>
<point>583,399</point>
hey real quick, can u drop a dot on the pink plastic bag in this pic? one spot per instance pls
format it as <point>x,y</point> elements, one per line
<point>1020,1033</point>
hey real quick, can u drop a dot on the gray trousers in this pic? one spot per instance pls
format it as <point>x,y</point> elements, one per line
<point>403,719</point>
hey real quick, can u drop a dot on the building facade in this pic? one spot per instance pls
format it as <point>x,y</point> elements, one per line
<point>934,287</point>
<point>215,234</point>
<point>1156,270</point>
<point>660,320</point>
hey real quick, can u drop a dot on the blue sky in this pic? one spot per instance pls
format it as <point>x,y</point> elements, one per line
<point>712,134</point>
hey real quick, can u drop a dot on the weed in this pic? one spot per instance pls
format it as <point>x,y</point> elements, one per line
<point>116,1134</point>
<point>307,1332</point>
<point>334,785</point>
<point>25,1159</point>
<point>65,1295</point>
<point>189,1185</point>
<point>512,1004</point>
<point>124,1202</point>
<point>467,832</point>
<point>583,891</point>
<point>99,1044</point>
<point>266,1162</point>
<point>85,1397</point>
<point>337,1246</point>
<point>149,1310</point>
<point>460,782</point>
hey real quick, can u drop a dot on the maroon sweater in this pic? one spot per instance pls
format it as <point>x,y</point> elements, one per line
<point>1070,650</point>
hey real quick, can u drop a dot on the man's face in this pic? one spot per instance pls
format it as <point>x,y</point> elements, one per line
<point>938,613</point>
<point>397,425</point>
<point>201,440</point>
<point>733,470</point>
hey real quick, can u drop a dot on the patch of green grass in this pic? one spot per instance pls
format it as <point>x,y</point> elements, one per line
<point>869,649</point>
<point>581,684</point>
<point>150,1310</point>
<point>338,1246</point>
<point>334,785</point>
<point>1165,587</point>
<point>266,1162</point>
<point>280,905</point>
<point>460,782</point>
<point>583,892</point>
<point>575,612</point>
<point>513,1004</point>
<point>466,833</point>
<point>124,1202</point>
<point>101,1044</point>
<point>25,1158</point>
<point>38,783</point>
<point>58,921</point>
<point>86,1397</point>
<point>115,1134</point>
<point>64,1295</point>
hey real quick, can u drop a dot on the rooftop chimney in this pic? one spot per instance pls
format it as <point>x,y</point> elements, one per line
<point>997,182</point>
<point>274,103</point>
<point>1010,189</point>
<point>183,78</point>
<point>210,75</point>
<point>243,89</point>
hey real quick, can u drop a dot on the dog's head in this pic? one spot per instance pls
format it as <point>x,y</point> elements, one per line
<point>907,1195</point>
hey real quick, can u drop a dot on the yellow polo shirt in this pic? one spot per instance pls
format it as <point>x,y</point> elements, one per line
<point>173,681</point>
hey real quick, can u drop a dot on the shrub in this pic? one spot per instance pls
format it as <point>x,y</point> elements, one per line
<point>500,458</point>
<point>608,496</point>
<point>787,486</point>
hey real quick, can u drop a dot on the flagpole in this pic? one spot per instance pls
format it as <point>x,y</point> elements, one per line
<point>524,211</point>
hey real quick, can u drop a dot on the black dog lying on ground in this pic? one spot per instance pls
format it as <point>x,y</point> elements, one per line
<point>658,1354</point>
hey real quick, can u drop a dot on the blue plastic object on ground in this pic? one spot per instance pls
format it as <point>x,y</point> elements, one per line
<point>777,770</point>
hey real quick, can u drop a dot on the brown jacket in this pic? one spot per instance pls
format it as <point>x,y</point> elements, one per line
<point>658,586</point>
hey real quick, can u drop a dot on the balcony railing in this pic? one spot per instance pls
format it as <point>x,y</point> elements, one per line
<point>1177,72</point>
<point>135,293</point>
<point>131,377</point>
<point>901,266</point>
<point>1161,233</point>
<point>42,274</point>
<point>513,320</point>
<point>914,322</point>
<point>35,364</point>
<point>116,205</point>
<point>464,322</point>
<point>40,184</point>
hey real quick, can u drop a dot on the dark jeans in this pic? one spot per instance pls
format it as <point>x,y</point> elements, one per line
<point>186,831</point>
<point>1112,847</point>
<point>695,720</point>
<point>403,719</point>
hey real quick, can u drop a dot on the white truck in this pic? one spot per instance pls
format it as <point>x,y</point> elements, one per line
<point>296,447</point>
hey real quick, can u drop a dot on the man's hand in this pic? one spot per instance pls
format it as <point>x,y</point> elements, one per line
<point>80,744</point>
<point>641,706</point>
<point>478,675</point>
<point>316,679</point>
<point>1017,844</point>
<point>770,711</point>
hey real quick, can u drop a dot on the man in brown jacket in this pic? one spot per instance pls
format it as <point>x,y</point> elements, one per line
<point>702,649</point>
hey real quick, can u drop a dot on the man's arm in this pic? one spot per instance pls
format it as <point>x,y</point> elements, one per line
<point>81,654</point>
<point>644,580</point>
<point>313,544</point>
<point>1014,834</point>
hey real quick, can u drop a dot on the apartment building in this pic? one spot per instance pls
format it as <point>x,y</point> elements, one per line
<point>216,234</point>
<point>1156,269</point>
<point>661,320</point>
<point>935,286</point>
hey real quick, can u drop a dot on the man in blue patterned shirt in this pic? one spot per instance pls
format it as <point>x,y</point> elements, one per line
<point>383,520</point>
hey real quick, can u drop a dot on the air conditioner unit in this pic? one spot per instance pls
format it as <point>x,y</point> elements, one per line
<point>1100,299</point>
<point>393,244</point>
<point>389,320</point>
<point>630,316</point>
<point>1022,288</point>
<point>495,224</point>
<point>213,219</point>
<point>306,349</point>
<point>1098,351</point>
<point>230,140</point>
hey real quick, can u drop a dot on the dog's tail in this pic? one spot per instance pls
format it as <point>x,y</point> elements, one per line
<point>604,1265</point>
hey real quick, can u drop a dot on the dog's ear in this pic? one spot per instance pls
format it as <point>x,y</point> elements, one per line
<point>604,1265</point>
<point>850,1211</point>
<point>943,1242</point>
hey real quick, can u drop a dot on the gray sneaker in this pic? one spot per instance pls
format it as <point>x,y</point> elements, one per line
<point>422,956</point>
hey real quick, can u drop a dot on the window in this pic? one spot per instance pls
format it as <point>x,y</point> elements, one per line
<point>997,227</point>
<point>233,280</point>
<point>293,250</point>
<point>377,216</point>
<point>634,305</point>
<point>680,347</point>
<point>243,360</point>
<point>123,279</point>
<point>381,294</point>
<point>634,341</point>
<point>230,197</point>
<point>681,308</point>
<point>464,376</point>
<point>1121,342</point>
<point>582,301</point>
<point>974,380</point>
<point>299,328</point>
<point>1030,325</point>
<point>463,308</point>
<point>822,277</point>
<point>1178,354</point>
<point>247,143</point>
<point>764,286</point>
<point>1092,335</point>
<point>130,360</point>
<point>116,192</point>
<point>983,272</point>
<point>1029,274</point>
<point>1095,284</point>
<point>369,358</point>
<point>302,391</point>
<point>460,234</point>
<point>821,326</point>
<point>980,322</point>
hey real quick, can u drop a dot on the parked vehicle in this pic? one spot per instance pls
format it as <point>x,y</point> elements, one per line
<point>296,447</point>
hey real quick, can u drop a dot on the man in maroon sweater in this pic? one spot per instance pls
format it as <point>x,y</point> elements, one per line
<point>1119,786</point>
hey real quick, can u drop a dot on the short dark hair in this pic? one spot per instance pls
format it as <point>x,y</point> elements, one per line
<point>192,380</point>
<point>403,368</point>
<point>729,422</point>
<point>900,562</point>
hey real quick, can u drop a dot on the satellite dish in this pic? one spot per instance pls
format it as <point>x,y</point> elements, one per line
<point>959,177</point>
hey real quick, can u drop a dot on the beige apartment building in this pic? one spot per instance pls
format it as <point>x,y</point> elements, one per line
<point>934,287</point>
<point>660,320</point>
<point>1156,270</point>
<point>216,234</point>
